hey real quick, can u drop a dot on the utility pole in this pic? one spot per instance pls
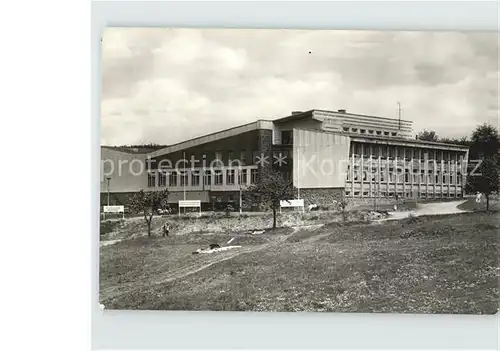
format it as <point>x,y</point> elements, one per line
<point>298,172</point>
<point>184,175</point>
<point>399,116</point>
<point>241,202</point>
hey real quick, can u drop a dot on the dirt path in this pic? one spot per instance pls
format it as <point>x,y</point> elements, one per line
<point>436,208</point>
<point>122,289</point>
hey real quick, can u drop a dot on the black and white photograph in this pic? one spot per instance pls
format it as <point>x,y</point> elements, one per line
<point>283,170</point>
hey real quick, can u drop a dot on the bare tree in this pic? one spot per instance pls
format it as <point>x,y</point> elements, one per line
<point>148,203</point>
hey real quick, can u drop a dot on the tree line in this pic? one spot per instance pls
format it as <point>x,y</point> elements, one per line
<point>484,149</point>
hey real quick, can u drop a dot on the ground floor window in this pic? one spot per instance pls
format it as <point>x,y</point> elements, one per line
<point>184,178</point>
<point>151,180</point>
<point>195,178</point>
<point>172,179</point>
<point>162,179</point>
<point>230,177</point>
<point>218,179</point>
<point>254,174</point>
<point>242,176</point>
<point>207,178</point>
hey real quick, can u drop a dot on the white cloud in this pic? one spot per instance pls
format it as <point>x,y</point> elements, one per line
<point>167,85</point>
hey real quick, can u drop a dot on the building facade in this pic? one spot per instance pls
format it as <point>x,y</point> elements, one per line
<point>327,155</point>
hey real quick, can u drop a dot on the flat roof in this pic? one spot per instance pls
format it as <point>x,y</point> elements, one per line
<point>415,141</point>
<point>357,137</point>
<point>310,112</point>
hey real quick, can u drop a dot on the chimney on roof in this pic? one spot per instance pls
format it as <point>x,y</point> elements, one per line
<point>342,111</point>
<point>296,112</point>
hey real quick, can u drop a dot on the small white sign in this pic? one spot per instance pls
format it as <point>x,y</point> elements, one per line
<point>292,203</point>
<point>190,203</point>
<point>114,209</point>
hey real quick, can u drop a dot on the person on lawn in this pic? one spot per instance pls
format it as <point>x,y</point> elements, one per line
<point>166,229</point>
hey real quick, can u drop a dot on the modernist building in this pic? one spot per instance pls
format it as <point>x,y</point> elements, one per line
<point>327,154</point>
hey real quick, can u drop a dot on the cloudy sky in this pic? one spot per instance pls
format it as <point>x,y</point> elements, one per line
<point>167,85</point>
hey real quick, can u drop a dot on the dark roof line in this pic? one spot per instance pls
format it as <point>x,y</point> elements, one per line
<point>294,116</point>
<point>220,131</point>
<point>127,150</point>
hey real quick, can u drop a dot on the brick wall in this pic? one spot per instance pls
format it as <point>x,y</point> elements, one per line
<point>321,196</point>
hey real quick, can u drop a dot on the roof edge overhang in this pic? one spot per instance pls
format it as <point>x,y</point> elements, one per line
<point>226,133</point>
<point>394,141</point>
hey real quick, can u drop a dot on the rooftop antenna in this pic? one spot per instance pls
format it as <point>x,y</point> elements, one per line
<point>399,116</point>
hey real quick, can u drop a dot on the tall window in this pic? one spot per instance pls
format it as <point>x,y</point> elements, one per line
<point>151,180</point>
<point>218,180</point>
<point>230,177</point>
<point>207,178</point>
<point>392,152</point>
<point>162,179</point>
<point>242,177</point>
<point>184,178</point>
<point>254,175</point>
<point>195,178</point>
<point>357,149</point>
<point>172,179</point>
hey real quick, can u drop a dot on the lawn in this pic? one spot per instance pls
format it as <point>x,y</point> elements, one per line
<point>439,264</point>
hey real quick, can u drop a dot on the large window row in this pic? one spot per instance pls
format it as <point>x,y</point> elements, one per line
<point>400,194</point>
<point>210,177</point>
<point>392,175</point>
<point>359,150</point>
